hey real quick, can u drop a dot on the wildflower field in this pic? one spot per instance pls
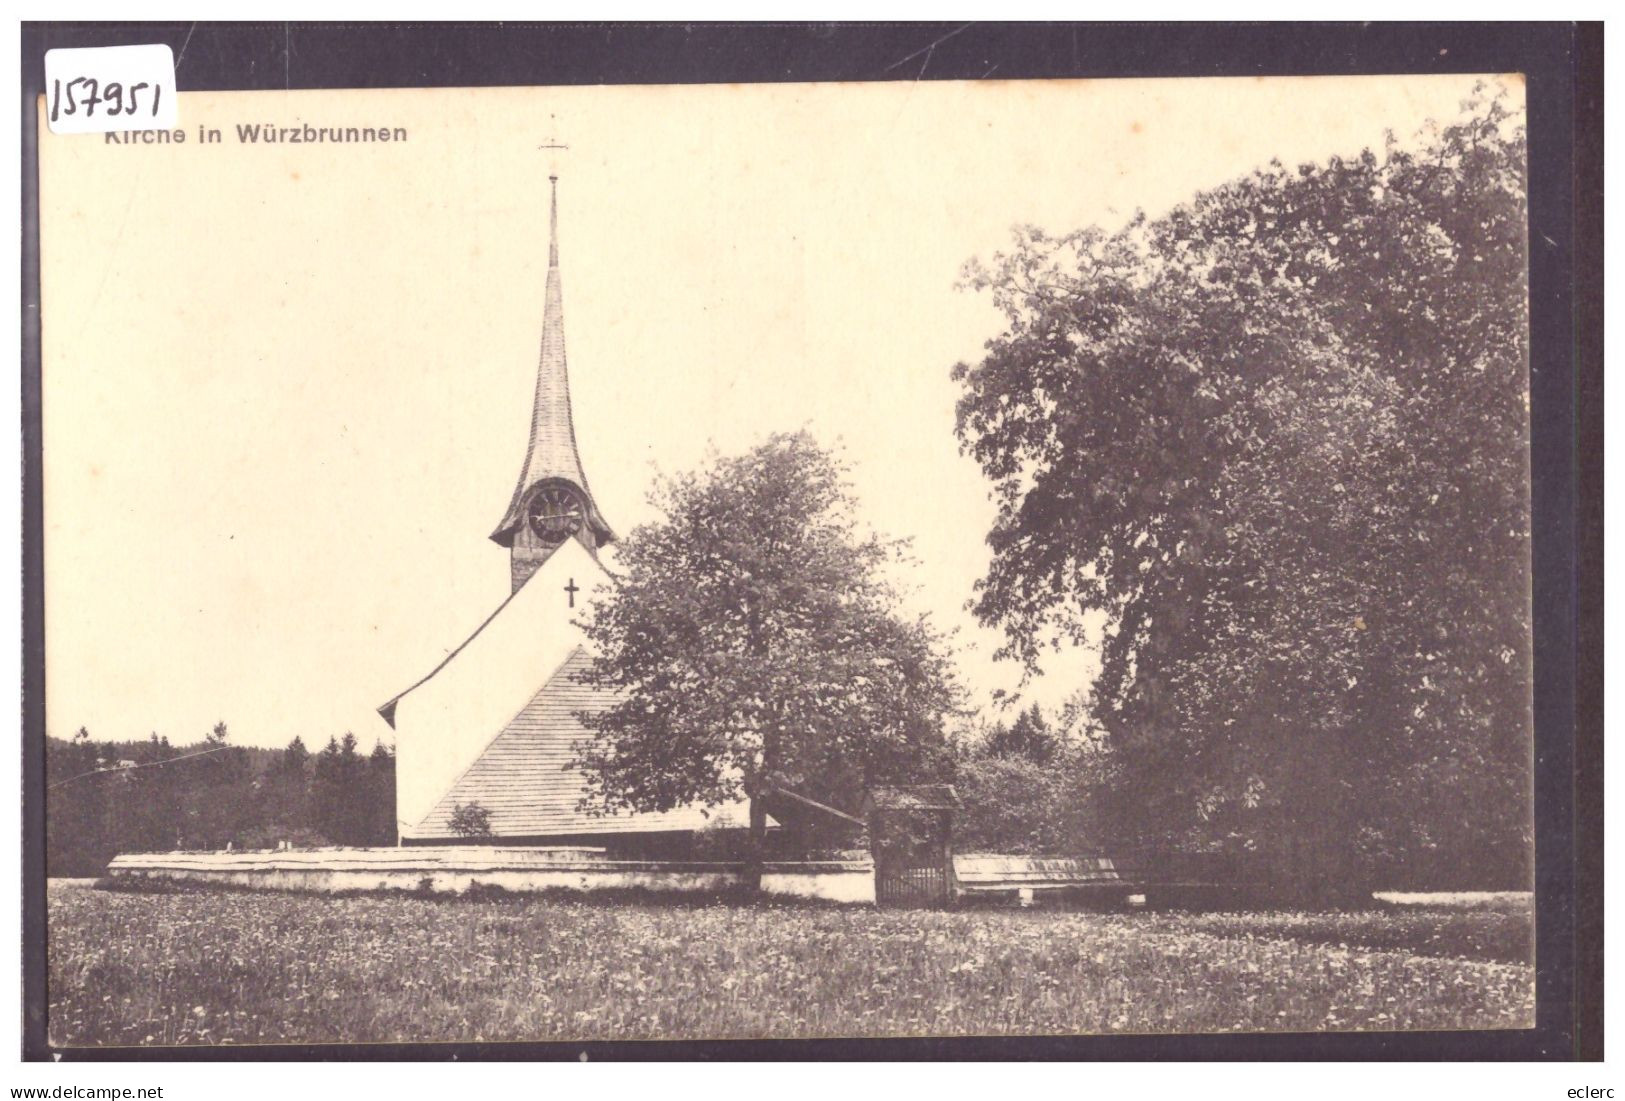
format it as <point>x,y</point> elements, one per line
<point>202,967</point>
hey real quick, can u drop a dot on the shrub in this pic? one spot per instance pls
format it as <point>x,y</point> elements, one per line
<point>1013,804</point>
<point>470,820</point>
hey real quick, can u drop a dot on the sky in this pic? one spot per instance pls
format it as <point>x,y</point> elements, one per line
<point>286,388</point>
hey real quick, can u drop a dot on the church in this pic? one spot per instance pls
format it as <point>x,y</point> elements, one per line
<point>495,725</point>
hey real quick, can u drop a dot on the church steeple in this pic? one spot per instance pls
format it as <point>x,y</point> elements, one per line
<point>551,501</point>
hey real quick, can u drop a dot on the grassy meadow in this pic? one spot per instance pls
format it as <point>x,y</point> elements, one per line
<point>201,967</point>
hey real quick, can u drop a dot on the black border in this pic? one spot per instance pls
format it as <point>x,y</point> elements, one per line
<point>1563,64</point>
<point>1588,811</point>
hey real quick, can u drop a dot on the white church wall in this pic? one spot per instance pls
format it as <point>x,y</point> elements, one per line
<point>444,724</point>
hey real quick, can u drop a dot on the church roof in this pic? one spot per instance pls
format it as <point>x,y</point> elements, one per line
<point>522,778</point>
<point>448,718</point>
<point>551,453</point>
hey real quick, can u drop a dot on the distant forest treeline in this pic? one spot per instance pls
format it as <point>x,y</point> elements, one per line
<point>104,798</point>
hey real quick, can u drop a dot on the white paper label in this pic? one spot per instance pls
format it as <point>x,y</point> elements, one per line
<point>92,91</point>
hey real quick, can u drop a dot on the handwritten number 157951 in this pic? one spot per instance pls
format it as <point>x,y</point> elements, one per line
<point>85,94</point>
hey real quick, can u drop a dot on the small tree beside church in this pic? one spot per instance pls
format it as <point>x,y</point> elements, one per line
<point>470,820</point>
<point>753,641</point>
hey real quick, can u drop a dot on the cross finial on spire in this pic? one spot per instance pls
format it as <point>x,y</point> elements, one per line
<point>553,145</point>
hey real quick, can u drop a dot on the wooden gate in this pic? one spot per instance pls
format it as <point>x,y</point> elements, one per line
<point>917,885</point>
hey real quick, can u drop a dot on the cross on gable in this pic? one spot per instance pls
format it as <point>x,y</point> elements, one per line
<point>572,588</point>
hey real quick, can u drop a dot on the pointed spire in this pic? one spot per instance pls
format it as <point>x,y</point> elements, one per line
<point>553,228</point>
<point>551,454</point>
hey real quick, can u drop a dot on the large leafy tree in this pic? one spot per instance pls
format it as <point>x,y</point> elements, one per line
<point>1279,436</point>
<point>753,641</point>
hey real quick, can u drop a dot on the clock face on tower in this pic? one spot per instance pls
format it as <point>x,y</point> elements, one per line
<point>555,513</point>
